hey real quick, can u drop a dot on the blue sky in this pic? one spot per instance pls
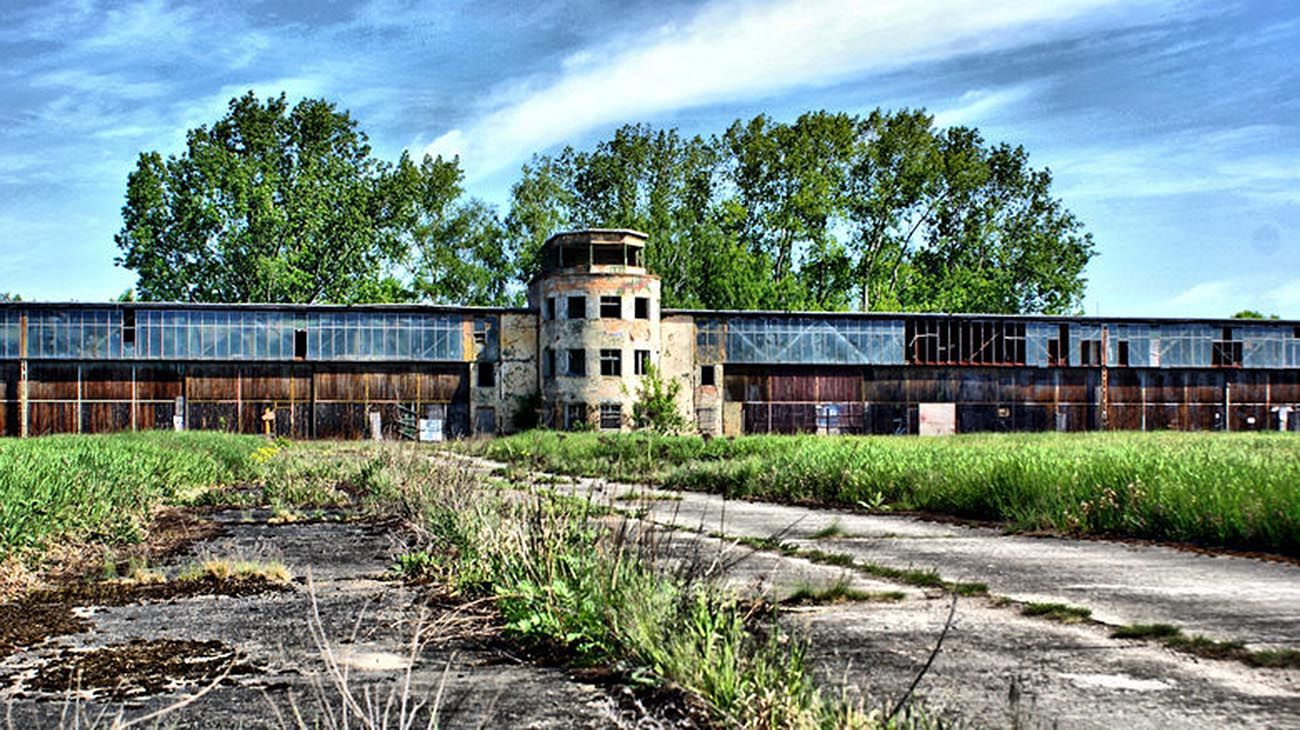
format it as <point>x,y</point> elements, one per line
<point>1172,127</point>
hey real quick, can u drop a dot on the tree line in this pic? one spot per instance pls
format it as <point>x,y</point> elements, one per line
<point>832,211</point>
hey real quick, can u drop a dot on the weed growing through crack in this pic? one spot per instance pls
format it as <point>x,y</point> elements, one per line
<point>841,591</point>
<point>1060,612</point>
<point>830,531</point>
<point>1203,646</point>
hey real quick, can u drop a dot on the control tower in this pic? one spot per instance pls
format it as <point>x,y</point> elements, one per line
<point>598,326</point>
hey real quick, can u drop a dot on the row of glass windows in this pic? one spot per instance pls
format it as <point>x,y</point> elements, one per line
<point>610,307</point>
<point>237,335</point>
<point>573,362</point>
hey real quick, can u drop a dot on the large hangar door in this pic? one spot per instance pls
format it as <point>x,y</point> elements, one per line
<point>345,394</point>
<point>797,400</point>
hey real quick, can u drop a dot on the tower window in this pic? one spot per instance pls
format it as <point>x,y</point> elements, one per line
<point>611,307</point>
<point>706,375</point>
<point>642,305</point>
<point>487,374</point>
<point>611,362</point>
<point>577,308</point>
<point>611,416</point>
<point>577,362</point>
<point>548,363</point>
<point>550,308</point>
<point>640,361</point>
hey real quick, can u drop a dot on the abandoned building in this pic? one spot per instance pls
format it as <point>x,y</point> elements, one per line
<point>575,356</point>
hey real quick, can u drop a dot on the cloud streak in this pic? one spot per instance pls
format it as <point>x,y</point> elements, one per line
<point>730,51</point>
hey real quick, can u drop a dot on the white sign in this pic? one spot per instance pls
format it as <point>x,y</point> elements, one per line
<point>938,419</point>
<point>430,429</point>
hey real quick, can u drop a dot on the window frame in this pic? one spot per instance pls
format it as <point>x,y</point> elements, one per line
<point>610,303</point>
<point>640,362</point>
<point>708,375</point>
<point>611,362</point>
<point>612,411</point>
<point>489,369</point>
<point>578,357</point>
<point>641,308</point>
<point>576,302</point>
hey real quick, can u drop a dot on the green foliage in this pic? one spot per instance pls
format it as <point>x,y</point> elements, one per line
<point>802,215</point>
<point>655,407</point>
<point>279,204</point>
<point>1231,490</point>
<point>10,297</point>
<point>104,487</point>
<point>1252,314</point>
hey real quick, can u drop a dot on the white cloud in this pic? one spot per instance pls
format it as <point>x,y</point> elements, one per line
<point>981,104</point>
<point>731,50</point>
<point>1267,293</point>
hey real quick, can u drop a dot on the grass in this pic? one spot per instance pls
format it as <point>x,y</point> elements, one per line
<point>1205,647</point>
<point>270,571</point>
<point>1216,489</point>
<point>909,576</point>
<point>1060,612</point>
<point>571,580</point>
<point>838,592</point>
<point>831,531</point>
<point>103,488</point>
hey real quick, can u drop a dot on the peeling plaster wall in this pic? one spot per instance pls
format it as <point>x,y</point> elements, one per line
<point>678,359</point>
<point>591,334</point>
<point>517,374</point>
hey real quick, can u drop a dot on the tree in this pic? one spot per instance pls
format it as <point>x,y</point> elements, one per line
<point>9,297</point>
<point>281,204</point>
<point>1253,314</point>
<point>826,213</point>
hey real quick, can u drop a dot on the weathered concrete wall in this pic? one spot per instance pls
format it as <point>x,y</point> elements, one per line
<point>591,334</point>
<point>517,379</point>
<point>677,362</point>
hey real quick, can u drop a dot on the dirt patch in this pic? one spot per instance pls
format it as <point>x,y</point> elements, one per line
<point>46,613</point>
<point>138,667</point>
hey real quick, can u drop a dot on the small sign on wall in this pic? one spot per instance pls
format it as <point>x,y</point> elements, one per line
<point>938,419</point>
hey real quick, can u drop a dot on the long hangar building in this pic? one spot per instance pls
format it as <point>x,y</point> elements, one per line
<point>578,351</point>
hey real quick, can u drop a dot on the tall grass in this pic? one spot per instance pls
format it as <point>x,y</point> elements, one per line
<point>1230,490</point>
<point>568,580</point>
<point>103,487</point>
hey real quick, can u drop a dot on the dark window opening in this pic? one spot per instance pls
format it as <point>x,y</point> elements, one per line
<point>1054,353</point>
<point>964,342</point>
<point>611,308</point>
<point>1121,353</point>
<point>642,307</point>
<point>577,362</point>
<point>611,416</point>
<point>641,362</point>
<point>608,255</point>
<point>550,308</point>
<point>548,363</point>
<point>611,362</point>
<point>128,327</point>
<point>575,416</point>
<point>1295,332</point>
<point>480,331</point>
<point>1090,352</point>
<point>577,308</point>
<point>1225,353</point>
<point>487,374</point>
<point>706,375</point>
<point>300,344</point>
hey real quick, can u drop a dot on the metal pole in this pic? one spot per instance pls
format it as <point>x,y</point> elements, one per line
<point>23,405</point>
<point>1105,380</point>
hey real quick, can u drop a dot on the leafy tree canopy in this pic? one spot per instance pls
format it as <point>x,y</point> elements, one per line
<point>279,204</point>
<point>1252,314</point>
<point>829,212</point>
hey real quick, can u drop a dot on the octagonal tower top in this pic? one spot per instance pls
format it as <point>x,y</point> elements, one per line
<point>595,250</point>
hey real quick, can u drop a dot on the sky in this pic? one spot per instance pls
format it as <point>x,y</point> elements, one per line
<point>1171,127</point>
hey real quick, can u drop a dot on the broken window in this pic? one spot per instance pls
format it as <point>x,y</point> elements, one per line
<point>487,374</point>
<point>128,327</point>
<point>642,308</point>
<point>577,308</point>
<point>953,341</point>
<point>548,363</point>
<point>550,308</point>
<point>1090,353</point>
<point>575,416</point>
<point>1121,353</point>
<point>611,362</point>
<point>640,362</point>
<point>1226,351</point>
<point>300,344</point>
<point>577,362</point>
<point>611,307</point>
<point>706,375</point>
<point>611,416</point>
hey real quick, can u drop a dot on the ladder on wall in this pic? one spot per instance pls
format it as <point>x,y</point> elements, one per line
<point>408,422</point>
